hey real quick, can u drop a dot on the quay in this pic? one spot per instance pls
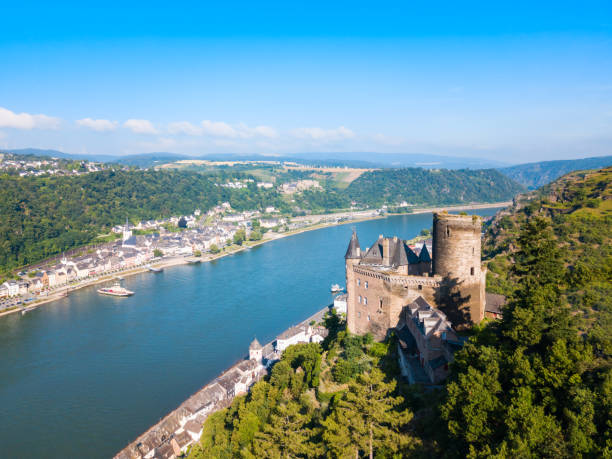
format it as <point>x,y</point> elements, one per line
<point>181,428</point>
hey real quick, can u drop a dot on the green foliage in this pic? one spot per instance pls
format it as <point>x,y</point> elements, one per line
<point>255,235</point>
<point>425,187</point>
<point>525,387</point>
<point>44,216</point>
<point>282,418</point>
<point>214,249</point>
<point>239,237</point>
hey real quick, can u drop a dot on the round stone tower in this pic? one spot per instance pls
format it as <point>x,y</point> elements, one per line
<point>457,258</point>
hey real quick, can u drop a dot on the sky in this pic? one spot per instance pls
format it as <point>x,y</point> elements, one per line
<point>510,81</point>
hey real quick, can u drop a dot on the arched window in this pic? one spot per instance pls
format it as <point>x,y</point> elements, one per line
<point>448,231</point>
<point>472,270</point>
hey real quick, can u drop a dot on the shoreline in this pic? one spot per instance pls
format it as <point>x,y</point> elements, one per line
<point>179,261</point>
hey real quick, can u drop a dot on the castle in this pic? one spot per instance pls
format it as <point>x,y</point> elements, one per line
<point>387,277</point>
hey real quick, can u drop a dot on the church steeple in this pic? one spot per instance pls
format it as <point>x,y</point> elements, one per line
<point>353,251</point>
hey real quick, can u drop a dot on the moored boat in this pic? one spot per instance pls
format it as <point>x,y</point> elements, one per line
<point>115,290</point>
<point>154,270</point>
<point>335,288</point>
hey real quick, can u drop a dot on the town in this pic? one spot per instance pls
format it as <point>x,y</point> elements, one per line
<point>30,165</point>
<point>175,240</point>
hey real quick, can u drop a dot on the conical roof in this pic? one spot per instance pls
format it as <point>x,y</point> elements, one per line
<point>424,255</point>
<point>353,250</point>
<point>255,345</point>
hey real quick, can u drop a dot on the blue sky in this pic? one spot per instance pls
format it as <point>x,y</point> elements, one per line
<point>514,82</point>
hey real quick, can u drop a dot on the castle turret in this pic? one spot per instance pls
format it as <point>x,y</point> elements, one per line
<point>351,258</point>
<point>457,258</point>
<point>354,250</point>
<point>255,351</point>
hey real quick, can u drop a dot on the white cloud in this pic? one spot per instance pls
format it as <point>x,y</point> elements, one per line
<point>257,131</point>
<point>184,127</point>
<point>14,120</point>
<point>219,129</point>
<point>325,135</point>
<point>140,126</point>
<point>97,125</point>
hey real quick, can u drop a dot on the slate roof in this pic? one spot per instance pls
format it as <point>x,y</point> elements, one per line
<point>494,303</point>
<point>400,253</point>
<point>353,250</point>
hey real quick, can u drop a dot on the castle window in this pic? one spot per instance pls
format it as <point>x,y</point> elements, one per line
<point>366,284</point>
<point>359,314</point>
<point>420,287</point>
<point>472,270</point>
<point>472,250</point>
<point>380,303</point>
<point>368,317</point>
<point>358,282</point>
<point>447,231</point>
<point>365,300</point>
<point>360,298</point>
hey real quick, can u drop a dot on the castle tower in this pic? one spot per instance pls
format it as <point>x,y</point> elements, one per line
<point>256,351</point>
<point>457,258</point>
<point>351,258</point>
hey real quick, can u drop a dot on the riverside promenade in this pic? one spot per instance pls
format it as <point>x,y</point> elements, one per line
<point>174,434</point>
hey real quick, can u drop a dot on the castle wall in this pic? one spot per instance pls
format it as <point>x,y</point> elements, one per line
<point>386,295</point>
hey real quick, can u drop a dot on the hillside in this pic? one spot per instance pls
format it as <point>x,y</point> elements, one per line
<point>537,383</point>
<point>534,175</point>
<point>579,208</point>
<point>423,187</point>
<point>43,216</point>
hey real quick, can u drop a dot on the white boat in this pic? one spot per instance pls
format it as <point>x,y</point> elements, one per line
<point>335,288</point>
<point>115,290</point>
<point>154,270</point>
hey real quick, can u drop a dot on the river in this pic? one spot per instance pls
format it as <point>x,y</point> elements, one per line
<point>85,375</point>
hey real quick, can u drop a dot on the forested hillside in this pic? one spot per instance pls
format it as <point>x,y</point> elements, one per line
<point>534,175</point>
<point>537,383</point>
<point>42,216</point>
<point>423,187</point>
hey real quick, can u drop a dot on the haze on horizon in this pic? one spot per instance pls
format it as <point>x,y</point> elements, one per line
<point>514,83</point>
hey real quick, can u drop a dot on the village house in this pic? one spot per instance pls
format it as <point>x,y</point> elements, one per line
<point>429,344</point>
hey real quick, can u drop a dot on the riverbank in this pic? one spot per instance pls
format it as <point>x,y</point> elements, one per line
<point>182,427</point>
<point>352,217</point>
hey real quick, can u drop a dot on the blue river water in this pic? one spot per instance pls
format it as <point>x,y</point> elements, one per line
<point>85,375</point>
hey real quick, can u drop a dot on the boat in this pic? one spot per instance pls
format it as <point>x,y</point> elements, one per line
<point>115,290</point>
<point>335,288</point>
<point>154,270</point>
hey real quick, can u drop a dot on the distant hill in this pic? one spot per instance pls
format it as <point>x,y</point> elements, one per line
<point>441,187</point>
<point>401,160</point>
<point>534,175</point>
<point>61,154</point>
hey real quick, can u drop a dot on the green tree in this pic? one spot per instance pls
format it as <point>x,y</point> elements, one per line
<point>367,419</point>
<point>158,253</point>
<point>214,248</point>
<point>286,434</point>
<point>239,237</point>
<point>255,235</point>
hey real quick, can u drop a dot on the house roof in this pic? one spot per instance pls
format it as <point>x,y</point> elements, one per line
<point>494,302</point>
<point>353,251</point>
<point>255,346</point>
<point>400,253</point>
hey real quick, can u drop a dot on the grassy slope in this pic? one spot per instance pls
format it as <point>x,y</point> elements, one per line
<point>580,208</point>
